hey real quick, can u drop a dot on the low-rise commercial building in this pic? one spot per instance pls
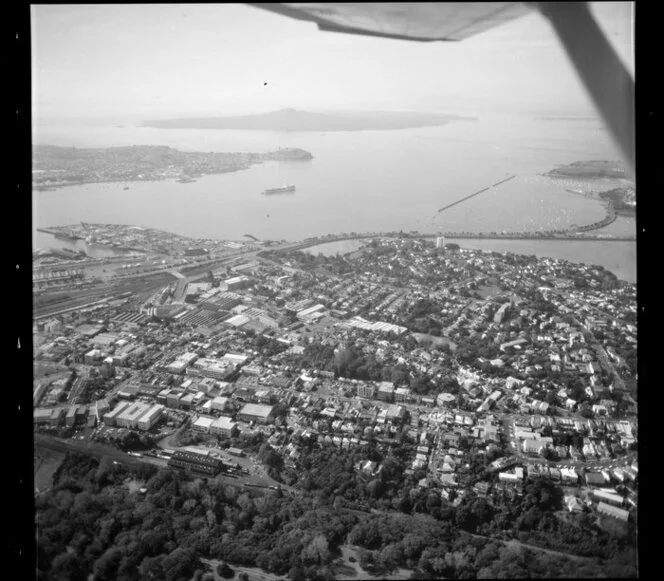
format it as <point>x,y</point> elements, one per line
<point>386,391</point>
<point>202,424</point>
<point>223,426</point>
<point>215,368</point>
<point>365,389</point>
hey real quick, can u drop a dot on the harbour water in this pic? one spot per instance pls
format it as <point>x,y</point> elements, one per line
<point>619,257</point>
<point>357,182</point>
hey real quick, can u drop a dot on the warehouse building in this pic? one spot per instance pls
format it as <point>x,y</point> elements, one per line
<point>252,412</point>
<point>151,417</point>
<point>110,417</point>
<point>129,417</point>
<point>238,282</point>
<point>42,416</point>
<point>195,462</point>
<point>58,416</point>
<point>70,418</point>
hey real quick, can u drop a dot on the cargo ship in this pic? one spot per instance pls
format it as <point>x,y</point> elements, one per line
<point>280,190</point>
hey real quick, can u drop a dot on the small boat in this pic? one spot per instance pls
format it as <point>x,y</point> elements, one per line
<point>280,190</point>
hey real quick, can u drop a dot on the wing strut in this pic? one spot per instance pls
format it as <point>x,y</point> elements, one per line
<point>605,77</point>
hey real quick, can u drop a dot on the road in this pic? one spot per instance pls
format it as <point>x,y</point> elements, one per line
<point>255,480</point>
<point>531,547</point>
<point>93,449</point>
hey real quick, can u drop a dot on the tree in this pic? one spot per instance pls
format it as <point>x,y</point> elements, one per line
<point>223,570</point>
<point>105,568</point>
<point>67,567</point>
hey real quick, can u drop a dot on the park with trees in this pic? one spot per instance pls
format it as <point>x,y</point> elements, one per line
<point>92,522</point>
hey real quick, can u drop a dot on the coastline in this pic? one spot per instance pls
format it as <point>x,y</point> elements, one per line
<point>179,169</point>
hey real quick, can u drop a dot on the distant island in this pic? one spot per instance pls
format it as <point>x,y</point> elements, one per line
<point>564,118</point>
<point>55,166</point>
<point>294,120</point>
<point>591,169</point>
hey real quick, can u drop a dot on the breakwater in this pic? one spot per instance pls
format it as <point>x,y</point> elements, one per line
<point>475,194</point>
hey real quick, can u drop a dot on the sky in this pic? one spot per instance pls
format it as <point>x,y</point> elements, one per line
<point>135,62</point>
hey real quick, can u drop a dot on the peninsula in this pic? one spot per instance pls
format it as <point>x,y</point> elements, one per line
<point>294,120</point>
<point>55,166</point>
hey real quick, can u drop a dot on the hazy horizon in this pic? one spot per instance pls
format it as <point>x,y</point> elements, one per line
<point>141,62</point>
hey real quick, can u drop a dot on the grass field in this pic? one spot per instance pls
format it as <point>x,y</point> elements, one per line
<point>46,462</point>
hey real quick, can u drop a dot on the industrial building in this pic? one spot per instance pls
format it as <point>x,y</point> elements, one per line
<point>252,412</point>
<point>195,462</point>
<point>215,368</point>
<point>238,282</point>
<point>151,417</point>
<point>311,313</point>
<point>42,416</point>
<point>110,417</point>
<point>134,415</point>
<point>182,362</point>
<point>92,357</point>
<point>129,417</point>
<point>70,418</point>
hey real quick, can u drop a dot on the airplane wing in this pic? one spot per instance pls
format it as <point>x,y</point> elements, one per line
<point>600,70</point>
<point>421,21</point>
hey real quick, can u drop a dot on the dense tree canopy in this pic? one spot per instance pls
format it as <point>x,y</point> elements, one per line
<point>90,522</point>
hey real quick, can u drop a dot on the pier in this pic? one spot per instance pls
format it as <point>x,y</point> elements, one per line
<point>475,194</point>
